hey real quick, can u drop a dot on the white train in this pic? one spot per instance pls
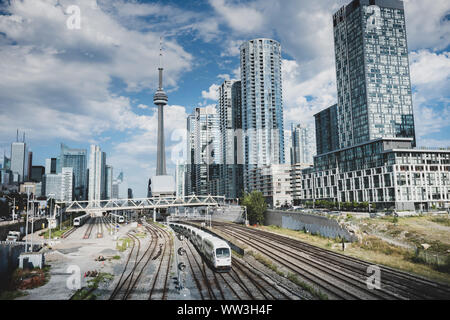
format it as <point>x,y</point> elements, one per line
<point>79,221</point>
<point>117,217</point>
<point>216,251</point>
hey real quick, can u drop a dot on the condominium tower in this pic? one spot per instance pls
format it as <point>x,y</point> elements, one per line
<point>262,104</point>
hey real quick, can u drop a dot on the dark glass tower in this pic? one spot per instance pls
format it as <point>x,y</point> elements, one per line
<point>372,68</point>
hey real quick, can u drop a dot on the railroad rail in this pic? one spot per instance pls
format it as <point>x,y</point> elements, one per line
<point>338,275</point>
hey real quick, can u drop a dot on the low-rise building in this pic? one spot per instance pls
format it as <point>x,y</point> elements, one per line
<point>386,172</point>
<point>274,181</point>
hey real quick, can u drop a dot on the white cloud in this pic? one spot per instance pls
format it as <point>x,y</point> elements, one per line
<point>142,106</point>
<point>427,24</point>
<point>304,98</point>
<point>212,93</point>
<point>65,75</point>
<point>242,19</point>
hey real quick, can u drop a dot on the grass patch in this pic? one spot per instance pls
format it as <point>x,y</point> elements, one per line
<point>441,220</point>
<point>116,257</point>
<point>316,293</point>
<point>268,263</point>
<point>11,295</point>
<point>87,293</point>
<point>375,250</point>
<point>123,244</point>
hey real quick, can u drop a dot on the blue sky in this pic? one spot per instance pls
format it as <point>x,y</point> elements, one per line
<point>96,84</point>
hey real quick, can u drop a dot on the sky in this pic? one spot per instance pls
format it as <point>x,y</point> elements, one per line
<point>95,84</point>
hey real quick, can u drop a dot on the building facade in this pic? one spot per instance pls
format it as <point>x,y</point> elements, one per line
<point>108,182</point>
<point>372,70</point>
<point>229,110</point>
<point>386,172</point>
<point>262,105</point>
<point>204,152</point>
<point>76,159</point>
<point>67,183</point>
<point>19,161</point>
<point>274,182</point>
<point>303,147</point>
<point>97,174</point>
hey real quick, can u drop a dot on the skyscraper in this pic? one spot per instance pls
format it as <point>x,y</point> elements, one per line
<point>371,157</point>
<point>76,159</point>
<point>97,173</point>
<point>303,145</point>
<point>109,182</point>
<point>230,138</point>
<point>204,152</point>
<point>372,68</point>
<point>67,183</point>
<point>19,159</point>
<point>262,104</point>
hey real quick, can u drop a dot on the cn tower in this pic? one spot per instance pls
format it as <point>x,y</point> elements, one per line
<point>160,99</point>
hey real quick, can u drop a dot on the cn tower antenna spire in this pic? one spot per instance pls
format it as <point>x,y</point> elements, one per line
<point>160,100</point>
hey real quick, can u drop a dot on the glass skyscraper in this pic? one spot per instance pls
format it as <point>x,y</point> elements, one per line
<point>262,104</point>
<point>230,133</point>
<point>372,68</point>
<point>97,174</point>
<point>76,159</point>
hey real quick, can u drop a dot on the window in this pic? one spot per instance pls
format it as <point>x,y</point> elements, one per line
<point>222,253</point>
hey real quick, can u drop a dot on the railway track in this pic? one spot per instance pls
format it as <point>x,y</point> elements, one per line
<point>339,276</point>
<point>90,225</point>
<point>242,282</point>
<point>66,234</point>
<point>160,279</point>
<point>131,276</point>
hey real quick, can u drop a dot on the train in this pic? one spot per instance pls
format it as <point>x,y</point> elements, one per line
<point>215,250</point>
<point>120,219</point>
<point>79,221</point>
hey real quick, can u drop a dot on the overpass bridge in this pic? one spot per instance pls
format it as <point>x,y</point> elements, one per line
<point>139,204</point>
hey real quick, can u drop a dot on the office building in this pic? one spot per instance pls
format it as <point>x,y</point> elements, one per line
<point>262,105</point>
<point>108,182</point>
<point>76,159</point>
<point>303,147</point>
<point>130,193</point>
<point>180,179</point>
<point>19,161</point>
<point>50,165</point>
<point>52,186</point>
<point>204,154</point>
<point>229,110</point>
<point>97,173</point>
<point>67,183</point>
<point>37,173</point>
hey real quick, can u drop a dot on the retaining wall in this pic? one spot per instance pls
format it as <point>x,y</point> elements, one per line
<point>302,221</point>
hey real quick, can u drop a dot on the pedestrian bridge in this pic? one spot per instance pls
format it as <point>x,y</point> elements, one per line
<point>144,203</point>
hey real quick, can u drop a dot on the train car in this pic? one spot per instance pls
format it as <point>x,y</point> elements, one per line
<point>79,221</point>
<point>217,252</point>
<point>117,218</point>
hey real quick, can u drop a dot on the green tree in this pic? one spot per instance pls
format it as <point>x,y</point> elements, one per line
<point>256,206</point>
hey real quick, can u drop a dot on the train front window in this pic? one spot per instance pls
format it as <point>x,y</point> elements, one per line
<point>222,253</point>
